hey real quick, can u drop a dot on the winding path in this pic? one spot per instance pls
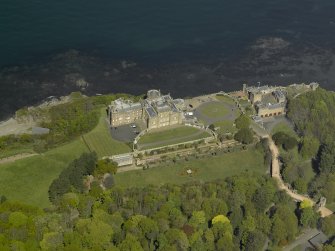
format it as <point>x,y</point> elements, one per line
<point>275,173</point>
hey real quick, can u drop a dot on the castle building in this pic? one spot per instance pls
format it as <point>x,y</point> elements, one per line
<point>269,110</point>
<point>122,112</point>
<point>156,111</point>
<point>268,100</point>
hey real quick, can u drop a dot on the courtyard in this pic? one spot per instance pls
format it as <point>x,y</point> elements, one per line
<point>221,111</point>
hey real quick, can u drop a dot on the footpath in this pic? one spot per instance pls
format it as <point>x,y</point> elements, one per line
<point>16,157</point>
<point>275,173</point>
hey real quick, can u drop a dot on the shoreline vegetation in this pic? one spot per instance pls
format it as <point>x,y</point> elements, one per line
<point>252,210</point>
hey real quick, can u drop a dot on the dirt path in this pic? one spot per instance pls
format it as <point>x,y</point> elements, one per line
<point>16,157</point>
<point>275,172</point>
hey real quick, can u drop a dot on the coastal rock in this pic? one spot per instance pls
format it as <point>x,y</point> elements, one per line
<point>270,43</point>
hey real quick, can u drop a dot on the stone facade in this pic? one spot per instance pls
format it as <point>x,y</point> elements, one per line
<point>270,110</point>
<point>156,110</point>
<point>123,112</point>
<point>268,100</point>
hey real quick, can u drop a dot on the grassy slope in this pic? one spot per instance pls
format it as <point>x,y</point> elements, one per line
<point>182,131</point>
<point>211,168</point>
<point>101,141</point>
<point>226,126</point>
<point>214,110</point>
<point>225,99</point>
<point>284,127</point>
<point>28,180</point>
<point>176,141</point>
<point>18,150</point>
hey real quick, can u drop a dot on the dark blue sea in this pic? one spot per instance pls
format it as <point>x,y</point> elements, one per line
<point>154,29</point>
<point>162,33</point>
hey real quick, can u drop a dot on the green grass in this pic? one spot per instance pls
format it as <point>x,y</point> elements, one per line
<point>225,99</point>
<point>28,180</point>
<point>214,110</point>
<point>175,141</point>
<point>298,248</point>
<point>226,126</point>
<point>170,136</point>
<point>153,137</point>
<point>207,169</point>
<point>17,150</point>
<point>331,206</point>
<point>284,127</point>
<point>101,141</point>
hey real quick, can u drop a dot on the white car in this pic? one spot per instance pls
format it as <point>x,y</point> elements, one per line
<point>133,126</point>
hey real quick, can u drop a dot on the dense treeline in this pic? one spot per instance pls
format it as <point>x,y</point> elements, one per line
<point>69,120</point>
<point>72,176</point>
<point>313,114</point>
<point>243,212</point>
<point>244,134</point>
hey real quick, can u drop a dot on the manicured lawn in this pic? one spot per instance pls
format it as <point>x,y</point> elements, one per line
<point>182,131</point>
<point>175,141</point>
<point>211,168</point>
<point>101,141</point>
<point>214,110</point>
<point>226,126</point>
<point>225,99</point>
<point>28,180</point>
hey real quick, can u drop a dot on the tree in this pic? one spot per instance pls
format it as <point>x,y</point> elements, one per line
<point>307,217</point>
<point>301,185</point>
<point>220,218</point>
<point>212,127</point>
<point>328,225</point>
<point>310,147</point>
<point>52,241</point>
<point>327,158</point>
<point>130,243</point>
<point>255,241</point>
<point>198,218</point>
<point>225,243</point>
<point>290,143</point>
<point>305,204</point>
<point>279,138</point>
<point>278,231</point>
<point>17,219</point>
<point>286,141</point>
<point>242,121</point>
<point>244,135</point>
<point>263,197</point>
<point>177,238</point>
<point>105,166</point>
<point>96,233</point>
<point>248,224</point>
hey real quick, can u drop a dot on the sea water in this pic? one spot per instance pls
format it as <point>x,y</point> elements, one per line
<point>155,29</point>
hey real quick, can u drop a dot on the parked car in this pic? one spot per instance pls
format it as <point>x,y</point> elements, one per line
<point>133,126</point>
